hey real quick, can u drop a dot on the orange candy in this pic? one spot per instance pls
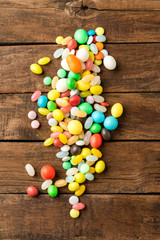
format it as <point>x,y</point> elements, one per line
<point>99,46</point>
<point>99,56</point>
<point>74,63</point>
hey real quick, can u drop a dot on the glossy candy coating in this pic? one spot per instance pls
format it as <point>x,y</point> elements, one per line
<point>110,123</point>
<point>74,63</point>
<point>35,68</point>
<point>75,127</point>
<point>32,191</point>
<point>44,61</point>
<point>96,140</point>
<point>81,36</point>
<point>52,191</point>
<point>42,101</point>
<point>117,110</point>
<point>47,172</point>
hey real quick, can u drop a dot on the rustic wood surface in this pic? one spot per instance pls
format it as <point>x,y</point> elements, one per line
<point>123,203</point>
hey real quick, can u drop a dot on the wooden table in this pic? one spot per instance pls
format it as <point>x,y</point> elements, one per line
<point>123,203</point>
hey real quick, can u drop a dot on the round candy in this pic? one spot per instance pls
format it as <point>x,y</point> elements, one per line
<point>71,83</point>
<point>96,140</point>
<point>59,39</point>
<point>61,85</point>
<point>86,107</point>
<point>32,191</point>
<point>84,168</point>
<point>53,94</point>
<point>72,44</point>
<point>75,150</point>
<point>75,127</point>
<point>66,165</point>
<point>110,123</point>
<point>82,54</point>
<point>47,81</point>
<point>117,110</point>
<point>32,115</point>
<point>35,68</point>
<point>100,166</point>
<point>73,186</point>
<point>73,200</point>
<point>83,86</point>
<point>58,115</point>
<point>52,191</point>
<point>91,32</point>
<point>96,89</point>
<point>99,46</point>
<point>61,73</point>
<point>80,177</point>
<point>74,213</point>
<point>74,100</point>
<point>98,117</point>
<point>75,76</point>
<point>35,96</point>
<point>106,135</point>
<point>42,101</point>
<point>51,106</point>
<point>47,172</point>
<point>99,31</point>
<point>95,128</point>
<point>81,36</point>
<point>35,124</point>
<point>109,62</point>
<point>74,63</point>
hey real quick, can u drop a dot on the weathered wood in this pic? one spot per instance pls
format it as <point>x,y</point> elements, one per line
<point>132,167</point>
<point>107,217</point>
<point>27,25</point>
<point>140,120</point>
<point>138,68</point>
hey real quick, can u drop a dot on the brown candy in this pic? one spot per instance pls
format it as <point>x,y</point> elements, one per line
<point>106,135</point>
<point>75,150</point>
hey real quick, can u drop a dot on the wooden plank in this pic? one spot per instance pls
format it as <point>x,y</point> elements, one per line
<point>107,217</point>
<point>138,68</point>
<point>132,167</point>
<point>48,23</point>
<point>140,120</point>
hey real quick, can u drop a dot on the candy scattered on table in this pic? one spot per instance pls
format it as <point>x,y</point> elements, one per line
<point>76,113</point>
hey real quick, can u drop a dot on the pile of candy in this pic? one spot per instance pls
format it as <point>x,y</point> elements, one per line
<point>76,113</point>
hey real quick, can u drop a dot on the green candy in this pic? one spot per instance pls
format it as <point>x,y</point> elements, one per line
<point>47,81</point>
<point>51,106</point>
<point>52,191</point>
<point>88,46</point>
<point>71,161</point>
<point>66,165</point>
<point>76,76</point>
<point>95,128</point>
<point>86,107</point>
<point>84,168</point>
<point>71,83</point>
<point>81,36</point>
<point>61,73</point>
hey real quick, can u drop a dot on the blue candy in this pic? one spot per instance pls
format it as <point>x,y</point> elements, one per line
<point>98,116</point>
<point>110,123</point>
<point>42,101</point>
<point>82,100</point>
<point>91,32</point>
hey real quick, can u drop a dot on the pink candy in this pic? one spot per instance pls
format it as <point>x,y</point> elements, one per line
<point>32,115</point>
<point>35,124</point>
<point>89,65</point>
<point>55,134</point>
<point>35,96</point>
<point>78,206</point>
<point>90,99</point>
<point>50,115</point>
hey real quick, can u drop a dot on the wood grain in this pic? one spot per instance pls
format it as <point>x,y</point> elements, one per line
<point>138,68</point>
<point>140,120</point>
<point>107,217</point>
<point>48,23</point>
<point>132,167</point>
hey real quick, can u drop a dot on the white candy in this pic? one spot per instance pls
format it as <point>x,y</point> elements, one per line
<point>96,81</point>
<point>46,184</point>
<point>80,143</point>
<point>65,158</point>
<point>72,51</point>
<point>73,110</point>
<point>32,115</point>
<point>52,122</point>
<point>98,98</point>
<point>64,65</point>
<point>65,148</point>
<point>90,40</point>
<point>74,92</point>
<point>91,158</point>
<point>70,179</point>
<point>89,176</point>
<point>61,85</point>
<point>87,137</point>
<point>65,53</point>
<point>30,170</point>
<point>73,200</point>
<point>105,52</point>
<point>80,164</point>
<point>82,54</point>
<point>58,53</point>
<point>96,69</point>
<point>109,62</point>
<point>71,171</point>
<point>88,123</point>
<point>100,108</point>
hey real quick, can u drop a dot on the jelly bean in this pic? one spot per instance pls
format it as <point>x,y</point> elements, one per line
<point>74,213</point>
<point>58,115</point>
<point>110,123</point>
<point>46,184</point>
<point>33,192</point>
<point>61,85</point>
<point>98,62</point>
<point>84,46</point>
<point>109,62</point>
<point>65,53</point>
<point>78,206</point>
<point>48,142</point>
<point>95,68</point>
<point>84,169</point>
<point>87,78</point>
<point>52,191</point>
<point>100,38</point>
<point>100,166</point>
<point>56,128</point>
<point>74,92</point>
<point>91,158</point>
<point>88,123</point>
<point>96,89</point>
<point>96,152</point>
<point>94,39</point>
<point>51,106</point>
<point>47,172</point>
<point>73,200</point>
<point>58,53</point>
<point>68,135</point>
<point>63,138</point>
<point>98,117</point>
<point>91,32</point>
<point>59,39</point>
<point>71,83</point>
<point>43,111</point>
<point>77,159</point>
<point>64,64</point>
<point>95,128</point>
<point>71,161</point>
<point>65,148</point>
<point>65,94</point>
<point>83,86</point>
<point>42,101</point>
<point>55,134</point>
<point>62,154</point>
<point>64,125</point>
<point>117,110</point>
<point>35,68</point>
<point>80,114</point>
<point>91,170</point>
<point>72,140</point>
<point>81,119</point>
<point>90,40</point>
<point>66,40</point>
<point>100,108</point>
<point>99,56</point>
<point>74,100</point>
<point>30,170</point>
<point>90,163</point>
<point>80,177</point>
<point>73,63</point>
<point>82,54</point>
<point>75,150</point>
<point>57,143</point>
<point>47,81</point>
<point>89,176</point>
<point>53,95</point>
<point>70,179</point>
<point>106,135</point>
<point>94,48</point>
<point>96,81</point>
<point>72,171</point>
<point>96,140</point>
<point>86,107</point>
<point>72,44</point>
<point>105,52</point>
<point>75,76</point>
<point>44,61</point>
<point>89,64</point>
<point>73,186</point>
<point>62,102</point>
<point>80,191</point>
<point>32,115</point>
<point>75,127</point>
<point>54,82</point>
<point>81,36</point>
<point>61,73</point>
<point>35,96</point>
<point>80,143</point>
<point>99,31</point>
<point>49,116</point>
<point>91,56</point>
<point>60,183</point>
<point>85,94</point>
<point>98,98</point>
<point>66,109</point>
<point>35,124</point>
<point>87,137</point>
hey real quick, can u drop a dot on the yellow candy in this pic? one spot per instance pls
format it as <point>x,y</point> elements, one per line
<point>91,170</point>
<point>73,186</point>
<point>66,40</point>
<point>79,113</point>
<point>99,31</point>
<point>74,213</point>
<point>85,152</point>
<point>35,68</point>
<point>98,62</point>
<point>43,111</point>
<point>59,39</point>
<point>84,46</point>
<point>54,82</point>
<point>53,95</point>
<point>74,127</point>
<point>58,115</point>
<point>62,102</point>
<point>48,142</point>
<point>91,56</point>
<point>100,166</point>
<point>44,61</point>
<point>63,138</point>
<point>80,177</point>
<point>56,129</point>
<point>85,94</point>
<point>64,125</point>
<point>96,89</point>
<point>80,191</point>
<point>60,183</point>
<point>72,140</point>
<point>117,110</point>
<point>77,159</point>
<point>96,152</point>
<point>83,86</point>
<point>86,73</point>
<point>87,78</point>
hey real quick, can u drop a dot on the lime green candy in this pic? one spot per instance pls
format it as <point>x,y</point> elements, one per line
<point>61,73</point>
<point>71,161</point>
<point>86,107</point>
<point>76,76</point>
<point>47,81</point>
<point>95,128</point>
<point>71,83</point>
<point>52,191</point>
<point>84,168</point>
<point>81,36</point>
<point>51,106</point>
<point>66,165</point>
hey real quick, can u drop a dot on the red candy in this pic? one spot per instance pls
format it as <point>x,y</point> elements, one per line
<point>68,135</point>
<point>94,39</point>
<point>65,94</point>
<point>72,44</point>
<point>66,109</point>
<point>96,140</point>
<point>32,191</point>
<point>74,100</point>
<point>47,172</point>
<point>89,65</point>
<point>57,143</point>
<point>105,104</point>
<point>78,206</point>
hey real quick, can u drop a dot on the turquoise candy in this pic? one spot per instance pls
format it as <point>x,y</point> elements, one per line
<point>98,117</point>
<point>91,32</point>
<point>81,36</point>
<point>86,107</point>
<point>110,123</point>
<point>42,101</point>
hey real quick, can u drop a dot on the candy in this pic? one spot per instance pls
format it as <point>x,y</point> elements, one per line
<point>46,184</point>
<point>96,89</point>
<point>47,81</point>
<point>75,76</point>
<point>73,186</point>
<point>44,61</point>
<point>100,108</point>
<point>98,117</point>
<point>63,138</point>
<point>81,36</point>
<point>78,206</point>
<point>75,150</point>
<point>51,106</point>
<point>96,140</point>
<point>61,85</point>
<point>54,82</point>
<point>74,127</point>
<point>74,100</point>
<point>117,110</point>
<point>87,137</point>
<point>65,53</point>
<point>100,166</point>
<point>43,111</point>
<point>58,115</point>
<point>32,115</point>
<point>32,191</point>
<point>64,64</point>
<point>53,95</point>
<point>66,40</point>
<point>62,154</point>
<point>35,68</point>
<point>30,170</point>
<point>91,158</point>
<point>99,31</point>
<point>59,39</point>
<point>84,169</point>
<point>52,191</point>
<point>73,200</point>
<point>95,128</point>
<point>71,171</point>
<point>86,107</point>
<point>89,176</point>
<point>80,177</point>
<point>74,63</point>
<point>35,124</point>
<point>72,44</point>
<point>60,183</point>
<point>42,101</point>
<point>61,73</point>
<point>58,53</point>
<point>91,32</point>
<point>109,62</point>
<point>110,123</point>
<point>96,152</point>
<point>70,179</point>
<point>71,83</point>
<point>66,165</point>
<point>65,148</point>
<point>82,54</point>
<point>47,172</point>
<point>94,48</point>
<point>80,190</point>
<point>74,213</point>
<point>48,142</point>
<point>35,96</point>
<point>77,159</point>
